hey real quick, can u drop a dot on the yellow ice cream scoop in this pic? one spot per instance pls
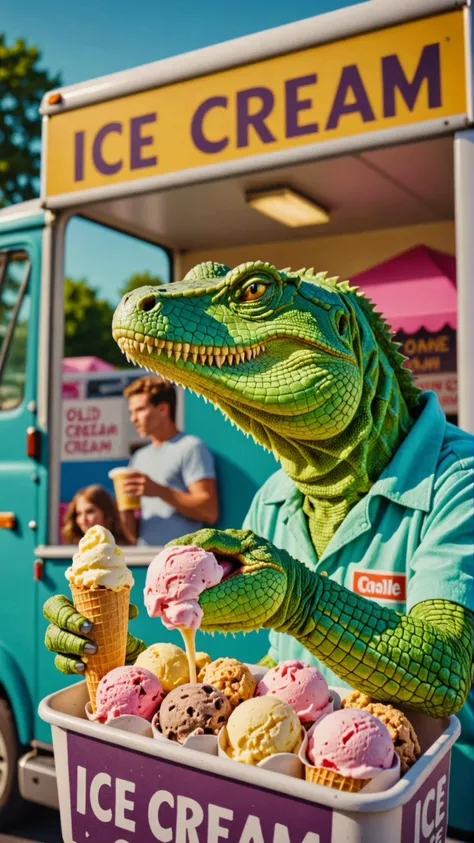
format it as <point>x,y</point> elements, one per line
<point>168,662</point>
<point>261,727</point>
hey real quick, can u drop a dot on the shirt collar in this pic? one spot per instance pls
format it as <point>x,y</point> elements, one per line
<point>408,479</point>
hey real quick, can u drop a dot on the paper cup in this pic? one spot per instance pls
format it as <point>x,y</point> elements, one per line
<point>287,763</point>
<point>381,782</point>
<point>200,743</point>
<point>124,501</point>
<point>125,722</point>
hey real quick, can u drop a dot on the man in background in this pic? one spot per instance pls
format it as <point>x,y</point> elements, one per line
<point>174,475</point>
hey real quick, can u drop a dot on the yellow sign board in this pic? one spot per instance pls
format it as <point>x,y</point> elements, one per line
<point>403,75</point>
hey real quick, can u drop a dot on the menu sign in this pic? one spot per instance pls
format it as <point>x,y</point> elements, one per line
<point>432,359</point>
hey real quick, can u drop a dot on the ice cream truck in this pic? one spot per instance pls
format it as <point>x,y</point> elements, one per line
<point>334,142</point>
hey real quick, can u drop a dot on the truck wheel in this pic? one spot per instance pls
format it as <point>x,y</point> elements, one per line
<point>12,805</point>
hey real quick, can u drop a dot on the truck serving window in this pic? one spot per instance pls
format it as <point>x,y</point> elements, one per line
<point>14,315</point>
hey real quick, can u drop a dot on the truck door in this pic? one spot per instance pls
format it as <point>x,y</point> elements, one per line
<point>23,474</point>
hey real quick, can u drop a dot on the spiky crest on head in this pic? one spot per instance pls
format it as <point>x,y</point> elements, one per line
<point>378,323</point>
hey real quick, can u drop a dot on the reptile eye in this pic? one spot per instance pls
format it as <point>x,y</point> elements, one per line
<point>342,324</point>
<point>253,292</point>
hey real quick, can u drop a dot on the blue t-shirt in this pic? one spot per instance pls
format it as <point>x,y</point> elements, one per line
<point>182,460</point>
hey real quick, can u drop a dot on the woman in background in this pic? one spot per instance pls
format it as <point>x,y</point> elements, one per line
<point>90,506</point>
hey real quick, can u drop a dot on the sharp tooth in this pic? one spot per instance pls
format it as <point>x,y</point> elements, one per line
<point>185,353</point>
<point>168,345</point>
<point>161,343</point>
<point>169,352</point>
<point>194,355</point>
<point>254,352</point>
<point>219,360</point>
<point>203,358</point>
<point>149,348</point>
<point>142,347</point>
<point>177,355</point>
<point>210,360</point>
<point>136,345</point>
<point>263,348</point>
<point>248,353</point>
<point>202,349</point>
<point>128,357</point>
<point>230,359</point>
<point>186,347</point>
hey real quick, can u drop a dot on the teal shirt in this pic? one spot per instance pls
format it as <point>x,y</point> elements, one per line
<point>410,539</point>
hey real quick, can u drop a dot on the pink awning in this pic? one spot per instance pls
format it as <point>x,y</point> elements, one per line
<point>86,364</point>
<point>414,289</point>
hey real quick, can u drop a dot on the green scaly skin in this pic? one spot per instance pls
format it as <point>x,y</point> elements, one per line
<point>304,364</point>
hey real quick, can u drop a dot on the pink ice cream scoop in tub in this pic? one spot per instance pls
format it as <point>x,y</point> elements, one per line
<point>302,686</point>
<point>128,690</point>
<point>351,742</point>
<point>175,579</point>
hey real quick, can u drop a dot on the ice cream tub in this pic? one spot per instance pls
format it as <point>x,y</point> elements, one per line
<point>116,785</point>
<point>200,743</point>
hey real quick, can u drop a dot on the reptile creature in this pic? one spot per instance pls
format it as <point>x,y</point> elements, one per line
<point>304,364</point>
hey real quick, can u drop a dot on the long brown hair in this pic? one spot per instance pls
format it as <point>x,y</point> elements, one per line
<point>100,497</point>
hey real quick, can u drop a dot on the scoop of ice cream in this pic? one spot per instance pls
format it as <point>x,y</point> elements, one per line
<point>405,741</point>
<point>168,662</point>
<point>193,709</point>
<point>231,677</point>
<point>128,690</point>
<point>261,727</point>
<point>351,742</point>
<point>99,563</point>
<point>202,659</point>
<point>302,686</point>
<point>174,581</point>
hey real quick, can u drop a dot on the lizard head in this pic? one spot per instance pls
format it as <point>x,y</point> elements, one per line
<point>279,352</point>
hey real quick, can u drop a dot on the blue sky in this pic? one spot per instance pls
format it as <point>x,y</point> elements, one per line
<point>91,38</point>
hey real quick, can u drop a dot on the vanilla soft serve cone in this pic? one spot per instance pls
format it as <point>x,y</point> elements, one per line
<point>100,584</point>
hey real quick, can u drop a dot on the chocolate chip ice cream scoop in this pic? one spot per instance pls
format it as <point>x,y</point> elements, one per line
<point>193,708</point>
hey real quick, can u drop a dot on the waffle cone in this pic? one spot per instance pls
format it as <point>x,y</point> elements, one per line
<point>108,611</point>
<point>319,775</point>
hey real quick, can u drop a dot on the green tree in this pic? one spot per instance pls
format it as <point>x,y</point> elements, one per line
<point>23,84</point>
<point>140,279</point>
<point>88,324</point>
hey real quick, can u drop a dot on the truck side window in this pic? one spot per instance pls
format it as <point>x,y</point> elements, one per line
<point>14,314</point>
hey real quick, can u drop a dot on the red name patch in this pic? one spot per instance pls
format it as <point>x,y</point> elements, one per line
<point>380,585</point>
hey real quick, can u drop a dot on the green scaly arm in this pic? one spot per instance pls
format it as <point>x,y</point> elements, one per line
<point>421,659</point>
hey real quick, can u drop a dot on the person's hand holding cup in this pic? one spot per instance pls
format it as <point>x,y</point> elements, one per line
<point>126,493</point>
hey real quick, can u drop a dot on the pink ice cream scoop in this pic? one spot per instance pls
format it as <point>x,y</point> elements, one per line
<point>300,685</point>
<point>128,690</point>
<point>351,742</point>
<point>174,581</point>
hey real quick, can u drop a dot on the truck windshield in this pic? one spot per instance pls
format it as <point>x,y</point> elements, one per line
<point>14,313</point>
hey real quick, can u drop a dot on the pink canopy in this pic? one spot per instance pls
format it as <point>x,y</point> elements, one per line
<point>414,289</point>
<point>86,364</point>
